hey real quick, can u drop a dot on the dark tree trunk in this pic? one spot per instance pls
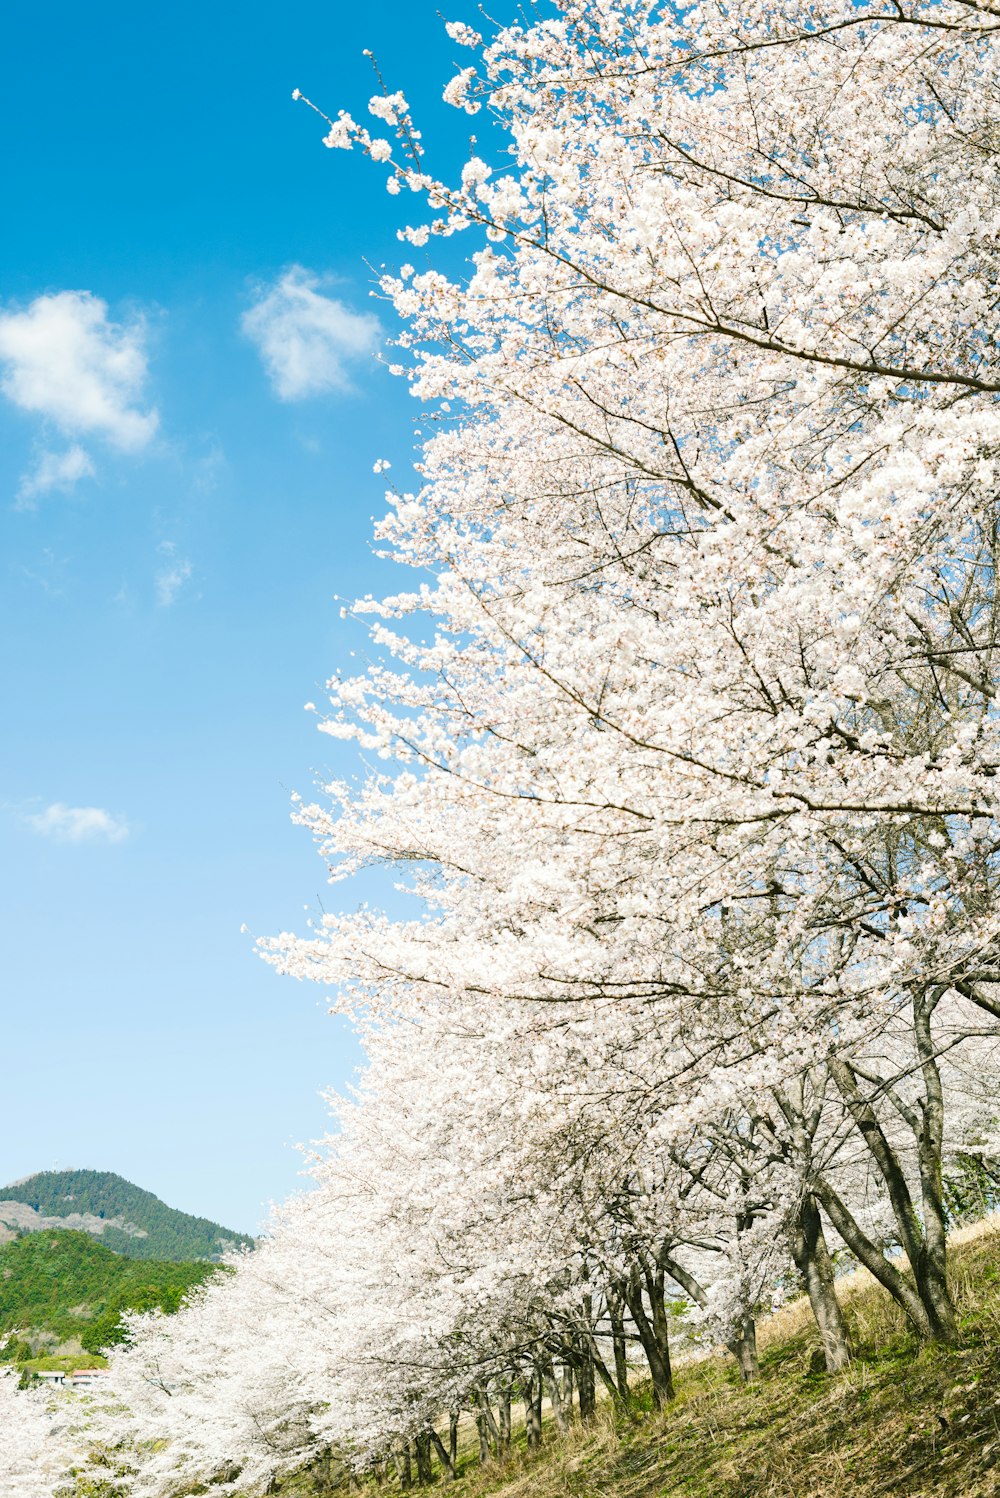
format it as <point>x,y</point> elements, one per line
<point>504,1421</point>
<point>453,1436</point>
<point>923,1242</point>
<point>590,1367</point>
<point>532,1412</point>
<point>931,1268</point>
<point>401,1458</point>
<point>653,1331</point>
<point>585,1383</point>
<point>484,1439</point>
<point>422,1444</point>
<point>873,1259</point>
<point>444,1457</point>
<point>322,1473</point>
<point>743,1343</point>
<point>616,1383</point>
<point>489,1422</point>
<point>615,1316</point>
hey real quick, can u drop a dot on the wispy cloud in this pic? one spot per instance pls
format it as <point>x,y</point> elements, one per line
<point>48,571</point>
<point>170,581</point>
<point>79,824</point>
<point>208,470</point>
<point>305,338</point>
<point>54,471</point>
<point>65,360</point>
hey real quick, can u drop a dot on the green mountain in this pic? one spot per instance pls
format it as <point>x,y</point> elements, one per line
<point>126,1219</point>
<point>60,1286</point>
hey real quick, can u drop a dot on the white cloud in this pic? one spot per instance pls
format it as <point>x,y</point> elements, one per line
<point>171,580</point>
<point>306,339</point>
<point>54,471</point>
<point>65,360</point>
<point>79,824</point>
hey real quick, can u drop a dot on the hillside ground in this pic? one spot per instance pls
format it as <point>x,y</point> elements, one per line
<point>904,1420</point>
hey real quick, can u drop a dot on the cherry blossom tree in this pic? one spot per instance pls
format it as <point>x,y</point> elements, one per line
<point>685,748</point>
<point>703,720</point>
<point>37,1438</point>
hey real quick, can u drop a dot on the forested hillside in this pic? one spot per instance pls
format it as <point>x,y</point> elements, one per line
<point>127,1219</point>
<point>59,1287</point>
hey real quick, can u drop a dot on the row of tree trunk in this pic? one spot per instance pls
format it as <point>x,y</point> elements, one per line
<point>637,1309</point>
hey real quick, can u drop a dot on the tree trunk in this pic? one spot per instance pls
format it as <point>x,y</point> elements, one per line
<point>532,1412</point>
<point>401,1459</point>
<point>873,1259</point>
<point>812,1259</point>
<point>615,1308</point>
<point>743,1343</point>
<point>453,1436</point>
<point>504,1422</point>
<point>490,1424</point>
<point>931,1267</point>
<point>743,1346</point>
<point>652,1331</point>
<point>322,1472</point>
<point>444,1457</point>
<point>484,1443</point>
<point>923,1242</point>
<point>555,1395</point>
<point>583,1365</point>
<point>586,1384</point>
<point>590,1364</point>
<point>423,1449</point>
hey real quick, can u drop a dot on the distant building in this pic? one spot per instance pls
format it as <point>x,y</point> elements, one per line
<point>80,1378</point>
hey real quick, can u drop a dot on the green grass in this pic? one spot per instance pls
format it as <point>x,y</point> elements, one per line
<point>904,1420</point>
<point>64,1362</point>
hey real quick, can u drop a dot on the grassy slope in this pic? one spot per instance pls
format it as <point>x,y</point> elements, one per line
<point>64,1362</point>
<point>905,1420</point>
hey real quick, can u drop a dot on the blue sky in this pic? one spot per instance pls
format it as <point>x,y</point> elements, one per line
<point>182,496</point>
